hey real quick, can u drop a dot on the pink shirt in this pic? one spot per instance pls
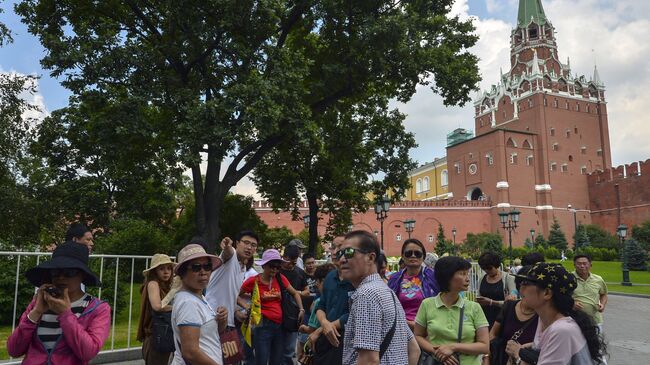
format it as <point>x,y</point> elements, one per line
<point>411,295</point>
<point>562,343</point>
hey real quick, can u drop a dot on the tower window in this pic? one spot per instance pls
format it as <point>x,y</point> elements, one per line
<point>398,237</point>
<point>458,168</point>
<point>489,159</point>
<point>418,186</point>
<point>529,160</point>
<point>555,103</point>
<point>568,133</point>
<point>565,168</point>
<point>545,102</point>
<point>553,166</point>
<point>532,33</point>
<point>552,132</point>
<point>444,178</point>
<point>556,147</point>
<point>583,170</point>
<point>587,108</point>
<point>566,105</point>
<point>575,130</point>
<point>599,152</point>
<point>570,158</point>
<point>513,158</point>
<point>577,107</point>
<point>530,103</point>
<point>583,150</point>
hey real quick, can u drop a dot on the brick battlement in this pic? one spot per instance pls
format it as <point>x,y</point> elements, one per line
<point>263,204</point>
<point>620,172</point>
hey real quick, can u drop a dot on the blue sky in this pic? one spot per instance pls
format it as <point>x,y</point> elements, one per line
<point>611,33</point>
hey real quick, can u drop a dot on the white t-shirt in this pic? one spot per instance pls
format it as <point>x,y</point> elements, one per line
<point>224,286</point>
<point>190,310</point>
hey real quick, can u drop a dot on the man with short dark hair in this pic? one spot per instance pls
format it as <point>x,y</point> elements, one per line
<point>377,332</point>
<point>79,233</point>
<point>591,294</point>
<point>532,258</point>
<point>301,247</point>
<point>332,313</point>
<point>298,280</point>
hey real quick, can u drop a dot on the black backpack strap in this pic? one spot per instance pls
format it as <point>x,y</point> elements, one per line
<point>460,322</point>
<point>391,332</point>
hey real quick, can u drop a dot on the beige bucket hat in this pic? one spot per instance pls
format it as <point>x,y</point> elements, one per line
<point>157,260</point>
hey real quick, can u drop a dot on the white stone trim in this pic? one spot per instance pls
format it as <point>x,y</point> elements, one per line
<point>502,185</point>
<point>543,187</point>
<point>544,207</point>
<point>503,205</point>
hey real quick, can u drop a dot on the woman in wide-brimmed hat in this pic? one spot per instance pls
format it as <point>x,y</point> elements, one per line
<point>195,323</point>
<point>62,325</point>
<point>157,283</point>
<point>268,335</point>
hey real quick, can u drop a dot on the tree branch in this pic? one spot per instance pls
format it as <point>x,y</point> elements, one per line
<point>292,19</point>
<point>321,105</point>
<point>260,147</point>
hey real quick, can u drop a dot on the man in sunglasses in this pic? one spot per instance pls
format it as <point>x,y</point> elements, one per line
<point>332,313</point>
<point>376,332</point>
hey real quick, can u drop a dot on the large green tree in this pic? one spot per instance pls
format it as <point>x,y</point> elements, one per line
<point>237,78</point>
<point>331,167</point>
<point>556,237</point>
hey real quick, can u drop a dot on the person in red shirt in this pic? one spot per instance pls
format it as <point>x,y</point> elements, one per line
<point>267,336</point>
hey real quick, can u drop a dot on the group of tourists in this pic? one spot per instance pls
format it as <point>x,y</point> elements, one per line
<point>207,309</point>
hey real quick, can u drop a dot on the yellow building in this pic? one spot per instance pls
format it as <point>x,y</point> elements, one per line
<point>429,181</point>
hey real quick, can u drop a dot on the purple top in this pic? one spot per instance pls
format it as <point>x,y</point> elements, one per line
<point>411,295</point>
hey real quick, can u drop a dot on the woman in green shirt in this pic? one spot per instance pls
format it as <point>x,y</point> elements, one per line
<point>437,321</point>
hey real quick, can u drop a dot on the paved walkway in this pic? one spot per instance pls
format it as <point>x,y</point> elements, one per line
<point>627,330</point>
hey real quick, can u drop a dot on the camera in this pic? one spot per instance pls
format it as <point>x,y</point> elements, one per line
<point>53,291</point>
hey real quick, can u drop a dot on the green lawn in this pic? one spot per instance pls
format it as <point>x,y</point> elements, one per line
<point>611,273</point>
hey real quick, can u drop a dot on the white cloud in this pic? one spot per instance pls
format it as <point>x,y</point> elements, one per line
<point>32,98</point>
<point>615,30</point>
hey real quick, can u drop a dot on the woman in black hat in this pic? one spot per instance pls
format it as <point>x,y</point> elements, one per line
<point>62,325</point>
<point>564,335</point>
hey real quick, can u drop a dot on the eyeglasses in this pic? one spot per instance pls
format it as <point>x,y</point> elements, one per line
<point>414,253</point>
<point>348,252</point>
<point>198,267</point>
<point>68,273</point>
<point>275,266</point>
<point>249,243</point>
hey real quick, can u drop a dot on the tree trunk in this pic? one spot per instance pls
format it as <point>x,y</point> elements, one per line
<point>312,201</point>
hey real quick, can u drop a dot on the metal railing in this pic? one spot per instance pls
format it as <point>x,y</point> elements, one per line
<point>111,266</point>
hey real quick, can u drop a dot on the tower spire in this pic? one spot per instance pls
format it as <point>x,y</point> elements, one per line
<point>531,10</point>
<point>535,67</point>
<point>596,78</point>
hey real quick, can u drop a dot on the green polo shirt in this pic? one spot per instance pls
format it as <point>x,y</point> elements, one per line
<point>442,323</point>
<point>588,293</point>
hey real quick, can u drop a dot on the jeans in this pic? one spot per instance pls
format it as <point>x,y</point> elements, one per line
<point>289,347</point>
<point>268,343</point>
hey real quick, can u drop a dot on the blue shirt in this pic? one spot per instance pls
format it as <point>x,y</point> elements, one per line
<point>334,299</point>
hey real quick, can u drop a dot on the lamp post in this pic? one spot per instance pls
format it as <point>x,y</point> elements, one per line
<point>382,206</point>
<point>509,221</point>
<point>409,225</point>
<point>453,233</point>
<point>575,226</point>
<point>622,232</point>
<point>306,219</point>
<point>532,237</point>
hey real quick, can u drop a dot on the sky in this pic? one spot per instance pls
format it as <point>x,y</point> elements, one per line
<point>611,34</point>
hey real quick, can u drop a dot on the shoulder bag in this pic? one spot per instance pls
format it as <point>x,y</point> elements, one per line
<point>427,358</point>
<point>290,310</point>
<point>161,332</point>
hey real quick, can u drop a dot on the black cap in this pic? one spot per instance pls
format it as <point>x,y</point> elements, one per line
<point>551,276</point>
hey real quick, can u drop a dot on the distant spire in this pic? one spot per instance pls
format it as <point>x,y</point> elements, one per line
<point>535,68</point>
<point>568,63</point>
<point>596,78</point>
<point>531,10</point>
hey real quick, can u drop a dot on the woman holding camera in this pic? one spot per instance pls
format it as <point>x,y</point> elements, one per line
<point>63,324</point>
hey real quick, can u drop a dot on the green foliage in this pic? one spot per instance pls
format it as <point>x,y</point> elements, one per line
<point>580,238</point>
<point>475,244</point>
<point>540,241</point>
<point>637,257</point>
<point>134,237</point>
<point>556,237</point>
<point>600,238</point>
<point>238,214</point>
<point>641,233</point>
<point>275,238</point>
<point>237,79</point>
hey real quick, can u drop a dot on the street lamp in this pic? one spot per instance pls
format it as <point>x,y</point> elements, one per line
<point>409,225</point>
<point>622,232</point>
<point>575,226</point>
<point>453,233</point>
<point>306,219</point>
<point>532,237</point>
<point>350,227</point>
<point>509,221</point>
<point>382,206</point>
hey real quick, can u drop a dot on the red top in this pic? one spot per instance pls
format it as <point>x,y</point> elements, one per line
<point>270,296</point>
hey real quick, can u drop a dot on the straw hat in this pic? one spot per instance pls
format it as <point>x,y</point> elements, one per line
<point>157,260</point>
<point>194,251</point>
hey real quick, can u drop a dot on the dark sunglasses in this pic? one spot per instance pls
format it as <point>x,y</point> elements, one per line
<point>348,252</point>
<point>413,253</point>
<point>275,266</point>
<point>68,273</point>
<point>198,267</point>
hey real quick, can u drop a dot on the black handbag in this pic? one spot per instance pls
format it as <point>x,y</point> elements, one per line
<point>290,310</point>
<point>161,332</point>
<point>427,358</point>
<point>529,355</point>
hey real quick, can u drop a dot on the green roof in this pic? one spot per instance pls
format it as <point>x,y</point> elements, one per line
<point>531,9</point>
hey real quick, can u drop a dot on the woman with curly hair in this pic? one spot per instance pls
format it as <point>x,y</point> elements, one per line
<point>564,335</point>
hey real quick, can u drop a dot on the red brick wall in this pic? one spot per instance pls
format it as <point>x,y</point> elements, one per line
<point>634,189</point>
